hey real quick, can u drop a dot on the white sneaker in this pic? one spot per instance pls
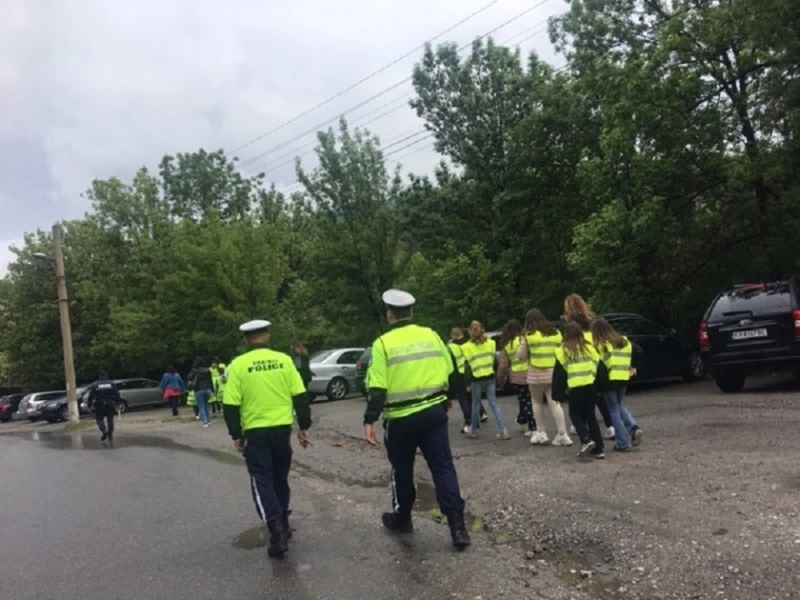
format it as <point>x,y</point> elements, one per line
<point>197,418</point>
<point>466,429</point>
<point>572,430</point>
<point>610,433</point>
<point>205,424</point>
<point>540,438</point>
<point>528,433</point>
<point>562,439</point>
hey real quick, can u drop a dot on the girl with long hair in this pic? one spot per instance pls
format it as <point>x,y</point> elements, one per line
<point>510,366</point>
<point>577,310</point>
<point>621,359</point>
<point>574,378</point>
<point>537,349</point>
<point>479,377</point>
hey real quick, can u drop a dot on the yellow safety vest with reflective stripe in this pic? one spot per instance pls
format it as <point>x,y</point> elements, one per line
<point>542,349</point>
<point>480,358</point>
<point>413,365</point>
<point>516,365</point>
<point>581,369</point>
<point>617,360</point>
<point>458,353</point>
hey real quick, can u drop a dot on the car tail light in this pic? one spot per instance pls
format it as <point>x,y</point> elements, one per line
<point>796,315</point>
<point>358,366</point>
<point>702,336</point>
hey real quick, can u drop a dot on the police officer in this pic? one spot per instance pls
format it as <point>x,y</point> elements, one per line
<point>104,396</point>
<point>262,393</point>
<point>408,383</point>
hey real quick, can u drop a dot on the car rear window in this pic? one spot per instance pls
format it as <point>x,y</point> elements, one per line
<point>770,298</point>
<point>320,356</point>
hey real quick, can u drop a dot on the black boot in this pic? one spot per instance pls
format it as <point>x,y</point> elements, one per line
<point>397,522</point>
<point>286,526</point>
<point>105,434</point>
<point>458,530</point>
<point>278,539</point>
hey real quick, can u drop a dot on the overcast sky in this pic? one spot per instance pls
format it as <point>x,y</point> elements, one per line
<point>96,88</point>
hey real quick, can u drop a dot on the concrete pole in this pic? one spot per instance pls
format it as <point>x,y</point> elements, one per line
<point>66,328</point>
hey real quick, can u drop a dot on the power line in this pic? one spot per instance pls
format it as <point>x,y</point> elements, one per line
<point>318,126</point>
<point>371,75</point>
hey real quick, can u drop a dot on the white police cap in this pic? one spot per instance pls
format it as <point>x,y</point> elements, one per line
<point>255,326</point>
<point>398,299</point>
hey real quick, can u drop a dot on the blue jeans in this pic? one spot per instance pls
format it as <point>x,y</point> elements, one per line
<point>621,418</point>
<point>202,397</point>
<point>478,389</point>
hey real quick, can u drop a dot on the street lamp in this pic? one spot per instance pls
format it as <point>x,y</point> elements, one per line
<point>66,329</point>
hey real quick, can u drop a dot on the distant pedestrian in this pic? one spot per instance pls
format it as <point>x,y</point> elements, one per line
<point>103,396</point>
<point>574,380</point>
<point>172,389</point>
<point>301,361</point>
<point>621,359</point>
<point>479,376</point>
<point>459,389</point>
<point>201,383</point>
<point>190,401</point>
<point>538,348</point>
<point>510,367</point>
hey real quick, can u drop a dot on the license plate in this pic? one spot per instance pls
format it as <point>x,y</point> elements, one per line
<point>749,334</point>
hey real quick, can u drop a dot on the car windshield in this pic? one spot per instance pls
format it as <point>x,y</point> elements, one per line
<point>318,357</point>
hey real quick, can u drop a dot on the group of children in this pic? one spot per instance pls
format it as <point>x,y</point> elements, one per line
<point>588,364</point>
<point>174,389</point>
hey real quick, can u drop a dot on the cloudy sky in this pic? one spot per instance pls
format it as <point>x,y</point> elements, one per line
<point>95,88</point>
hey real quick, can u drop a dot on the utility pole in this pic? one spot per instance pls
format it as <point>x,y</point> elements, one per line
<point>66,328</point>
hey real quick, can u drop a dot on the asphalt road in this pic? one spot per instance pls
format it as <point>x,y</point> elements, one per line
<point>152,518</point>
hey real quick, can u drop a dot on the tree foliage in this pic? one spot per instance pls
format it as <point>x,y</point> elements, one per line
<point>655,168</point>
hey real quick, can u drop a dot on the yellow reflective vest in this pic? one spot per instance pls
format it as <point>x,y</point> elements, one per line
<point>581,369</point>
<point>262,383</point>
<point>458,354</point>
<point>542,349</point>
<point>480,358</point>
<point>617,360</point>
<point>515,364</point>
<point>413,365</point>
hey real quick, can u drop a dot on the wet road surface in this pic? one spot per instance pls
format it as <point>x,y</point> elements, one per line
<point>150,518</point>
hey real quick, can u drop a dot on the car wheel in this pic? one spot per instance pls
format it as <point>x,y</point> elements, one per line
<point>122,407</point>
<point>63,414</point>
<point>33,419</point>
<point>696,369</point>
<point>51,419</point>
<point>730,383</point>
<point>337,389</point>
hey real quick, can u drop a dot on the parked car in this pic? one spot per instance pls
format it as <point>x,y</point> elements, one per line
<point>9,405</point>
<point>334,372</point>
<point>57,410</point>
<point>362,366</point>
<point>666,354</point>
<point>30,406</point>
<point>751,328</point>
<point>134,393</point>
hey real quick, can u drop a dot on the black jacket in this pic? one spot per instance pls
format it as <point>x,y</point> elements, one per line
<point>103,395</point>
<point>303,364</point>
<point>200,379</point>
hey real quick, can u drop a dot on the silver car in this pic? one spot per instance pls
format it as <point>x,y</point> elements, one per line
<point>29,407</point>
<point>134,393</point>
<point>334,372</point>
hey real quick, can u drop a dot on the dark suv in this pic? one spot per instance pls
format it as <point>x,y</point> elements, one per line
<point>751,328</point>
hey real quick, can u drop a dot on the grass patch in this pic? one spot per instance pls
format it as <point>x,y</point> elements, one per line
<point>477,525</point>
<point>79,426</point>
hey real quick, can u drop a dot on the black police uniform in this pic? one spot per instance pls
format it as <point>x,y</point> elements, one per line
<point>104,396</point>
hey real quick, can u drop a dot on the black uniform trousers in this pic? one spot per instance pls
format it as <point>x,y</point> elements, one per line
<point>101,419</point>
<point>426,430</point>
<point>268,456</point>
<point>581,411</point>
<point>602,404</point>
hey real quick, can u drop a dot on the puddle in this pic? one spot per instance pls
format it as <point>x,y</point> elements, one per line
<point>251,539</point>
<point>91,441</point>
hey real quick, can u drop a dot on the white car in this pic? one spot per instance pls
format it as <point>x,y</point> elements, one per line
<point>333,372</point>
<point>29,407</point>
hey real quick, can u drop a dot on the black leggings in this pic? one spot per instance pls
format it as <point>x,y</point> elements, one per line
<point>600,399</point>
<point>525,414</point>
<point>581,411</point>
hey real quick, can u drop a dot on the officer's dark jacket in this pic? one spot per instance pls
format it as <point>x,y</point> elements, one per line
<point>103,395</point>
